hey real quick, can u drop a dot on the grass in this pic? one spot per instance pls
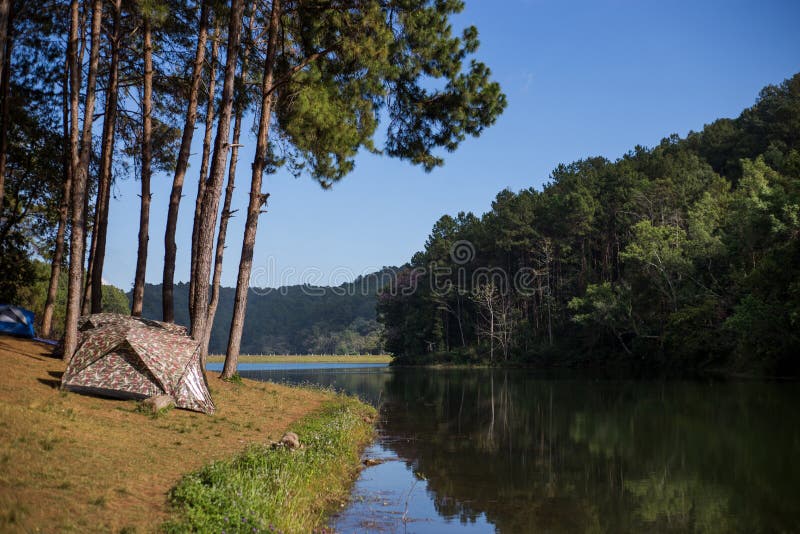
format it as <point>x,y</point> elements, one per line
<point>309,358</point>
<point>274,489</point>
<point>64,456</point>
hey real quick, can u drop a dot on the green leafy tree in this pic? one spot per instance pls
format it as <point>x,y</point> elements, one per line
<point>335,73</point>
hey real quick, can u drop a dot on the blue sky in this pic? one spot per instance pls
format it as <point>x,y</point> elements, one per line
<point>583,78</point>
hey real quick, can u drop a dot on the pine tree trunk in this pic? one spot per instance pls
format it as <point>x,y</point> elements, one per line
<point>210,205</point>
<point>226,204</point>
<point>170,248</point>
<point>201,183</point>
<point>257,200</point>
<point>6,25</point>
<point>221,236</point>
<point>5,15</point>
<point>80,168</point>
<point>86,296</point>
<point>63,213</point>
<point>106,158</point>
<point>86,299</point>
<point>86,204</point>
<point>147,133</point>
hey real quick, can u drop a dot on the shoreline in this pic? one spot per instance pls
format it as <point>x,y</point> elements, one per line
<point>76,463</point>
<point>277,488</point>
<point>304,358</point>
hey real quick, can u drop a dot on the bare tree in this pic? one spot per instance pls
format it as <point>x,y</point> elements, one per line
<point>446,306</point>
<point>497,318</point>
<point>545,259</point>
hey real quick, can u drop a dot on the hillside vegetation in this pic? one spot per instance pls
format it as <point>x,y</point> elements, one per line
<point>684,255</point>
<point>292,319</point>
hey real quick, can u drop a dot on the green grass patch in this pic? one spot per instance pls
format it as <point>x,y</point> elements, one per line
<point>234,379</point>
<point>308,358</point>
<point>274,489</point>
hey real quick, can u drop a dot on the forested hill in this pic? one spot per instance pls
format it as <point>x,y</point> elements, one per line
<point>291,319</point>
<point>683,255</point>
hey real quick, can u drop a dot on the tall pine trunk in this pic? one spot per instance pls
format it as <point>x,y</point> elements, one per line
<point>226,204</point>
<point>201,183</point>
<point>210,205</point>
<point>63,212</point>
<point>86,298</point>
<point>100,232</point>
<point>257,200</point>
<point>5,24</point>
<point>6,41</point>
<point>80,168</point>
<point>147,134</point>
<point>221,236</point>
<point>170,248</point>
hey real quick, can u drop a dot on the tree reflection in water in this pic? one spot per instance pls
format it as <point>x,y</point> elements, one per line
<point>528,453</point>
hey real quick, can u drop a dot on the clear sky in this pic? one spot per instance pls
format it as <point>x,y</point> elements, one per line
<point>583,78</point>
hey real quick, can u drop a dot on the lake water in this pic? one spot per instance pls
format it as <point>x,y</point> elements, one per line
<point>513,451</point>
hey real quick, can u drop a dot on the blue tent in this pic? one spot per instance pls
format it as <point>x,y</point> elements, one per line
<point>16,321</point>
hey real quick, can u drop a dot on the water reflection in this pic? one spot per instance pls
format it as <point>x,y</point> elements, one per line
<point>516,452</point>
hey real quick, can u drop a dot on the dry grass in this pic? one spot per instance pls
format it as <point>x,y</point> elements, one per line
<point>70,462</point>
<point>306,358</point>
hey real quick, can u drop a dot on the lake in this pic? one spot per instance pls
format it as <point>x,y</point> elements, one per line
<point>515,451</point>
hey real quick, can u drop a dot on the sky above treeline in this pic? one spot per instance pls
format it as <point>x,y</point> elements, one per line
<point>583,78</point>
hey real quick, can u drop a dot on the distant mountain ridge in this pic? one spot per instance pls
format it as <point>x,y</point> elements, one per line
<point>295,319</point>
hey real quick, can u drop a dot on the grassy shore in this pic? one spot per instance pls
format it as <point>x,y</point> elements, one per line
<point>75,463</point>
<point>305,358</point>
<point>270,488</point>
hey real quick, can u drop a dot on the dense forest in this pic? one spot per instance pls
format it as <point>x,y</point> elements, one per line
<point>684,255</point>
<point>292,319</point>
<point>97,91</point>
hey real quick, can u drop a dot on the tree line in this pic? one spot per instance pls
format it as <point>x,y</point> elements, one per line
<point>684,255</point>
<point>97,90</point>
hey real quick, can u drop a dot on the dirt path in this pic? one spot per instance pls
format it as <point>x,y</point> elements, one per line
<point>70,462</point>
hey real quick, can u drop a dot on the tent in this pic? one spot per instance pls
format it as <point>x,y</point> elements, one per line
<point>130,358</point>
<point>15,320</point>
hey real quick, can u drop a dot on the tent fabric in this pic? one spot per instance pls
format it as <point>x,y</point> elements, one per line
<point>15,320</point>
<point>129,358</point>
<point>87,322</point>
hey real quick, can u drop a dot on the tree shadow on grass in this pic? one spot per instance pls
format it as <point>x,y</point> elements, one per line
<point>55,384</point>
<point>7,345</point>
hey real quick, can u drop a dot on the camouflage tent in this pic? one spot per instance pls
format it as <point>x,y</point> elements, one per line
<point>131,358</point>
